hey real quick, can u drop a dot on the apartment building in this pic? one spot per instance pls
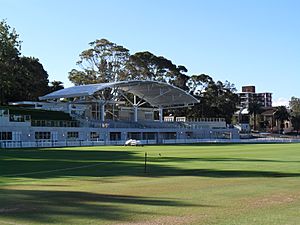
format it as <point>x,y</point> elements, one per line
<point>249,94</point>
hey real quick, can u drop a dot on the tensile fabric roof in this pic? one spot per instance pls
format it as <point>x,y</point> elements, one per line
<point>158,94</point>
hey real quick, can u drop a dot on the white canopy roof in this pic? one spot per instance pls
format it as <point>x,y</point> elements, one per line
<point>158,94</point>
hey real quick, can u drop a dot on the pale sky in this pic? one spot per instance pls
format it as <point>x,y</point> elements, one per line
<point>243,41</point>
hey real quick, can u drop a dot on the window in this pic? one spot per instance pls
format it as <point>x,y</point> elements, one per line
<point>17,118</point>
<point>169,135</point>
<point>149,136</point>
<point>42,135</point>
<point>94,136</point>
<point>16,135</point>
<point>72,135</point>
<point>54,123</point>
<point>5,135</point>
<point>134,135</point>
<point>115,136</point>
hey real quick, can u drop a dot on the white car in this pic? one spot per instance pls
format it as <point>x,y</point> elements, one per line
<point>132,142</point>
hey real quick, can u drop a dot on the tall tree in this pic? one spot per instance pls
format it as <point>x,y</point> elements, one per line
<point>21,78</point>
<point>296,123</point>
<point>199,83</point>
<point>9,56</point>
<point>103,62</point>
<point>254,109</point>
<point>56,85</point>
<point>281,115</point>
<point>180,78</point>
<point>217,99</point>
<point>31,80</point>
<point>107,62</point>
<point>295,106</point>
<point>138,67</point>
<point>295,113</point>
<point>147,66</point>
<point>220,100</point>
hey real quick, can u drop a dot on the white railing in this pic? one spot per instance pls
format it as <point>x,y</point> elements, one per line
<point>256,140</point>
<point>52,144</point>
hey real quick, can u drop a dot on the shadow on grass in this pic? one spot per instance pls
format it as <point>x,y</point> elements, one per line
<point>191,159</point>
<point>218,173</point>
<point>63,163</point>
<point>61,206</point>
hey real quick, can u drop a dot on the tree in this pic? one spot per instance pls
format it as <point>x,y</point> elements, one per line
<point>295,113</point>
<point>138,66</point>
<point>254,109</point>
<point>109,62</point>
<point>295,106</point>
<point>198,83</point>
<point>147,66</point>
<point>281,114</point>
<point>217,99</point>
<point>181,78</point>
<point>103,62</point>
<point>21,78</point>
<point>9,56</point>
<point>220,100</point>
<point>296,123</point>
<point>31,80</point>
<point>56,85</point>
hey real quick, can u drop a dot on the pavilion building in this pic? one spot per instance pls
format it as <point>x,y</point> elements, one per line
<point>107,113</point>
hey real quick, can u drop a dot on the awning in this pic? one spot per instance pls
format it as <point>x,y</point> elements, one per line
<point>158,94</point>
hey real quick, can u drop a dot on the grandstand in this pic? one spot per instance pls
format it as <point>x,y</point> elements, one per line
<point>107,113</point>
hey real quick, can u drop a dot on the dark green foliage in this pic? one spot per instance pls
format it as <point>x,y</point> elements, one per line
<point>295,113</point>
<point>31,80</point>
<point>217,99</point>
<point>9,59</point>
<point>56,85</point>
<point>21,78</point>
<point>296,123</point>
<point>103,62</point>
<point>106,62</point>
<point>254,108</point>
<point>281,115</point>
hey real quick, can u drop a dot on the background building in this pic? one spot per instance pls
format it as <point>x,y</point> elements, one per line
<point>248,95</point>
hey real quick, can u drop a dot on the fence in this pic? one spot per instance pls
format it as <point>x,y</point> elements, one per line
<point>52,144</point>
<point>256,140</point>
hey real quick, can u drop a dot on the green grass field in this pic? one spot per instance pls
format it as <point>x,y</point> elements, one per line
<point>185,184</point>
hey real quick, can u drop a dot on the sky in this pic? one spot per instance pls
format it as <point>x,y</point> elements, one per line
<point>247,42</point>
